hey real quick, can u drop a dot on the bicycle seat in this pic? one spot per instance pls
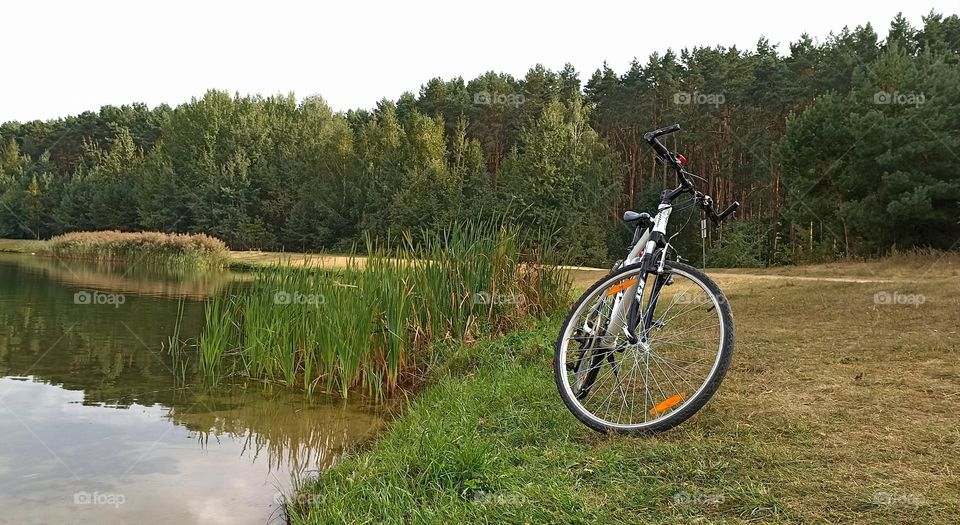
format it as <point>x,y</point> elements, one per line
<point>632,216</point>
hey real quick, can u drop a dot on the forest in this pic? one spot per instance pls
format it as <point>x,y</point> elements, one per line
<point>843,146</point>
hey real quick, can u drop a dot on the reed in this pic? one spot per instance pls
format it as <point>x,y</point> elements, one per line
<point>170,249</point>
<point>176,348</point>
<point>373,328</point>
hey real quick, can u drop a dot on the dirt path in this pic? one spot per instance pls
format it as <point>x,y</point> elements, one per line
<point>583,276</point>
<point>722,274</point>
<point>295,259</point>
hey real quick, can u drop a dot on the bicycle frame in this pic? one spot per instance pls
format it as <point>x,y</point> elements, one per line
<point>648,242</point>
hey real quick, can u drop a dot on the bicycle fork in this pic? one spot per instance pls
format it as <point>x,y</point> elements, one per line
<point>626,317</point>
<point>624,314</point>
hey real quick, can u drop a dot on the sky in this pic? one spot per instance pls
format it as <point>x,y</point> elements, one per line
<point>66,57</point>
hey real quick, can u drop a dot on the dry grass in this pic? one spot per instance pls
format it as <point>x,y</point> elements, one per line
<point>258,259</point>
<point>898,266</point>
<point>870,389</point>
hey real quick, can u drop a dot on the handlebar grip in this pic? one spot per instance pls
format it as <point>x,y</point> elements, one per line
<point>730,209</point>
<point>662,131</point>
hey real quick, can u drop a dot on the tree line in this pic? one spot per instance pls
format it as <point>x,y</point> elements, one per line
<point>844,146</point>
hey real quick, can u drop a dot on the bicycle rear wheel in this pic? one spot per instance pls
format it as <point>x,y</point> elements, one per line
<point>683,350</point>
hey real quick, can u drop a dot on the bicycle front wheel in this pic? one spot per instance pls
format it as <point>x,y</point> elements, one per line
<point>658,379</point>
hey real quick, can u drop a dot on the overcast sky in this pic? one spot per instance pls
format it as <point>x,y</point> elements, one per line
<point>65,57</point>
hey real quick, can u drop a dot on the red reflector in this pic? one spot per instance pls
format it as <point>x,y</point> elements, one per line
<point>681,159</point>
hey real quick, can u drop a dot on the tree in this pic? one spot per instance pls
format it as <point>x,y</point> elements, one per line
<point>558,178</point>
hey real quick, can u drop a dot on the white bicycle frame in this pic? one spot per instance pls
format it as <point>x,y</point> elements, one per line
<point>618,319</point>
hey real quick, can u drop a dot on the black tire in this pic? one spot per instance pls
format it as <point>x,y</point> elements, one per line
<point>693,405</point>
<point>592,370</point>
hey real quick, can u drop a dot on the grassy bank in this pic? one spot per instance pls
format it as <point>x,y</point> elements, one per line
<point>21,245</point>
<point>176,249</point>
<point>372,324</point>
<point>839,408</point>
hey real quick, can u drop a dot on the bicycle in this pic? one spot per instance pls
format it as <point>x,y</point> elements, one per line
<point>672,353</point>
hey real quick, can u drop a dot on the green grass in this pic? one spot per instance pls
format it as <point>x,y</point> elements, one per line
<point>21,245</point>
<point>373,328</point>
<point>166,249</point>
<point>491,442</point>
<point>836,410</point>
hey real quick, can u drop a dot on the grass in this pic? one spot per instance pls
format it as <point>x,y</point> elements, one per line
<point>373,328</point>
<point>837,409</point>
<point>21,245</point>
<point>176,249</point>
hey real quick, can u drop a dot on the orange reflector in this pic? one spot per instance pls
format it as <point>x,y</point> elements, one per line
<point>622,286</point>
<point>667,404</point>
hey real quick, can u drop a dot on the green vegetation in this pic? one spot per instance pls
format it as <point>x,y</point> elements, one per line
<point>373,328</point>
<point>834,411</point>
<point>197,250</point>
<point>827,143</point>
<point>21,246</point>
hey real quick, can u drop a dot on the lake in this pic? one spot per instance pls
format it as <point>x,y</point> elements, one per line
<point>100,424</point>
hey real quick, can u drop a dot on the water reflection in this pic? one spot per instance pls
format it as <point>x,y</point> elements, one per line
<point>126,278</point>
<point>91,411</point>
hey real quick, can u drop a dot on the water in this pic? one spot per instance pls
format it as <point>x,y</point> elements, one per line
<point>98,424</point>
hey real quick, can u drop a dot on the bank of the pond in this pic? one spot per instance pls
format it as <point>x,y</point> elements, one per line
<point>21,246</point>
<point>237,260</point>
<point>809,426</point>
<point>254,260</point>
<point>188,250</point>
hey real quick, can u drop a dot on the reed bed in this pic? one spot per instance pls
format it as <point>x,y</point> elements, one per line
<point>374,328</point>
<point>170,249</point>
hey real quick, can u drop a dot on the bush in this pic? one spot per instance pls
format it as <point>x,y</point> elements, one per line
<point>197,250</point>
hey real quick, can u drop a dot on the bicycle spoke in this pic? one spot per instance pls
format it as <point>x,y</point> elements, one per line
<point>681,376</point>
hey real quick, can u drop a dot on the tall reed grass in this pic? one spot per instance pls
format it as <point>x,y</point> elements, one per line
<point>373,327</point>
<point>176,249</point>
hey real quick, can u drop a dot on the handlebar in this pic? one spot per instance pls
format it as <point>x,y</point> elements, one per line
<point>661,150</point>
<point>730,209</point>
<point>686,185</point>
<point>706,204</point>
<point>662,131</point>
